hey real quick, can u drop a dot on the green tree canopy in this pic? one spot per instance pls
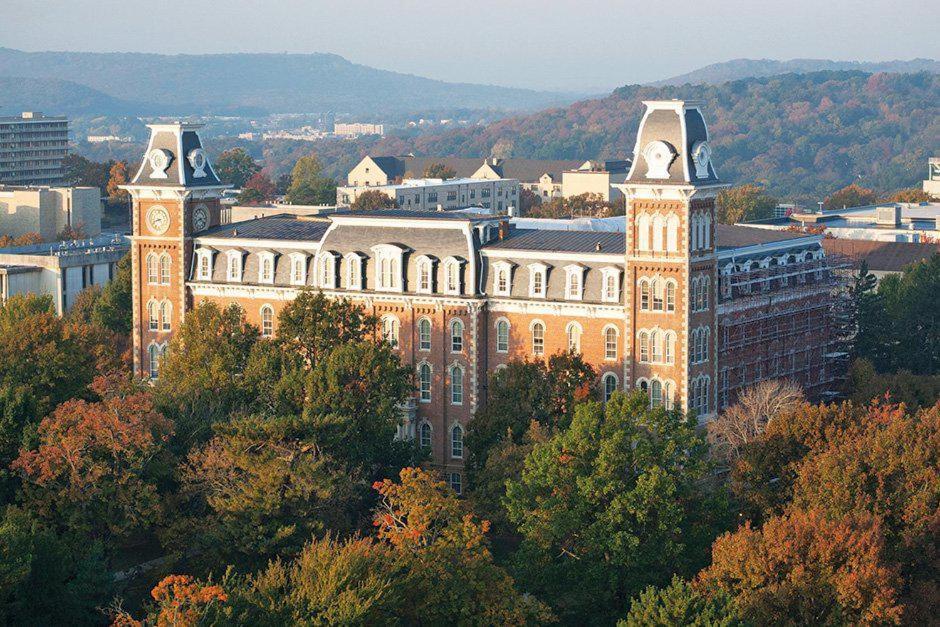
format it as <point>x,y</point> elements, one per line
<point>682,603</point>
<point>743,203</point>
<point>373,199</point>
<point>308,186</point>
<point>235,166</point>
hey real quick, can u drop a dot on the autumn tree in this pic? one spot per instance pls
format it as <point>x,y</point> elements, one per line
<point>865,384</point>
<point>372,199</point>
<point>853,195</point>
<point>806,568</point>
<point>96,466</point>
<point>308,186</point>
<point>682,603</point>
<point>258,188</point>
<point>439,170</point>
<point>611,504</point>
<point>312,324</point>
<point>180,601</point>
<point>112,309</point>
<point>235,166</point>
<point>47,578</point>
<point>744,203</point>
<point>200,376</point>
<point>746,420</point>
<point>117,176</point>
<point>912,194</point>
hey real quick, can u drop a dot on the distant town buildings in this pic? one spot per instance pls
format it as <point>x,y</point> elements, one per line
<point>33,147</point>
<point>672,303</point>
<point>60,269</point>
<point>304,133</point>
<point>393,176</point>
<point>932,182</point>
<point>49,210</point>
<point>886,222</point>
<point>101,139</point>
<point>598,178</point>
<point>355,129</point>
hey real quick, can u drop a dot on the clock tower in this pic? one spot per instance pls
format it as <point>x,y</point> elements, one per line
<point>175,193</point>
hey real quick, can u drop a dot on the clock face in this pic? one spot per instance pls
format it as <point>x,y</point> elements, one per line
<point>200,218</point>
<point>158,220</point>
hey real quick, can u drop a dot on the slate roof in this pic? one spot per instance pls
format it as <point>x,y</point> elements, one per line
<point>561,241</point>
<point>178,141</point>
<point>282,226</point>
<point>680,125</point>
<point>523,170</point>
<point>880,256</point>
<point>734,236</point>
<point>460,216</point>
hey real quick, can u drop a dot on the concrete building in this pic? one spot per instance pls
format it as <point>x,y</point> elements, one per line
<point>932,182</point>
<point>547,188</point>
<point>485,187</point>
<point>356,129</point>
<point>61,269</point>
<point>33,147</point>
<point>600,178</point>
<point>888,222</point>
<point>49,210</point>
<point>672,304</point>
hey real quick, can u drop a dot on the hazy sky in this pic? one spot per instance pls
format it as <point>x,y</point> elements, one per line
<point>589,45</point>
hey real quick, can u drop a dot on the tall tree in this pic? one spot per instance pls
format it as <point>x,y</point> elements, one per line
<point>235,166</point>
<point>853,195</point>
<point>308,186</point>
<point>312,324</point>
<point>682,603</point>
<point>112,310</point>
<point>84,172</point>
<point>439,170</point>
<point>911,194</point>
<point>117,176</point>
<point>373,199</point>
<point>258,188</point>
<point>612,504</point>
<point>743,203</point>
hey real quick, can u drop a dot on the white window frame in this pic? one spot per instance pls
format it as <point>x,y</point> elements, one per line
<point>573,334</point>
<point>153,315</point>
<point>266,256</point>
<point>424,391</point>
<point>166,315</point>
<point>166,268</point>
<point>204,255</point>
<point>391,330</point>
<point>609,376</point>
<point>502,274</point>
<point>540,350</point>
<point>298,261</point>
<point>234,266</point>
<point>393,256</point>
<point>541,270</point>
<point>266,308</point>
<point>607,344</point>
<point>424,267</point>
<point>574,273</point>
<point>326,270</point>
<point>502,344</point>
<point>643,225</point>
<point>610,274</point>
<point>153,269</point>
<point>453,281</point>
<point>353,271</point>
<point>456,391</point>
<point>430,431</point>
<point>456,483</point>
<point>424,342</point>
<point>457,339</point>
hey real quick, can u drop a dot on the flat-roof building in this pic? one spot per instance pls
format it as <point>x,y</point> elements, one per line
<point>49,211</point>
<point>33,148</point>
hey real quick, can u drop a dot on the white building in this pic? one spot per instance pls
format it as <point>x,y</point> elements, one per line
<point>355,129</point>
<point>49,210</point>
<point>887,222</point>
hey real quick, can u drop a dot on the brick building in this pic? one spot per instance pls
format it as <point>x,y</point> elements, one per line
<point>672,304</point>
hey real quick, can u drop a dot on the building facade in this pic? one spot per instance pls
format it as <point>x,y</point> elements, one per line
<point>49,210</point>
<point>662,305</point>
<point>32,149</point>
<point>600,178</point>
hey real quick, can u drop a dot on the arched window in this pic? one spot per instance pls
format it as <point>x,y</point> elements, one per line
<point>667,394</point>
<point>643,384</point>
<point>456,482</point>
<point>502,336</point>
<point>538,338</point>
<point>153,271</point>
<point>154,354</point>
<point>456,385</point>
<point>452,277</point>
<point>656,286</point>
<point>425,280</point>
<point>659,230</point>
<point>267,321</point>
<point>205,266</point>
<point>670,346</point>
<point>643,232</point>
<point>610,385</point>
<point>234,266</point>
<point>611,288</point>
<point>267,269</point>
<point>424,334</point>
<point>670,295</point>
<point>166,315</point>
<point>656,347</point>
<point>656,393</point>
<point>672,233</point>
<point>644,295</point>
<point>456,442</point>
<point>353,272</point>
<point>165,269</point>
<point>611,337</point>
<point>153,315</point>
<point>707,231</point>
<point>574,337</point>
<point>693,232</point>
<point>537,280</point>
<point>298,270</point>
<point>424,435</point>
<point>424,383</point>
<point>327,270</point>
<point>390,327</point>
<point>501,285</point>
<point>644,341</point>
<point>456,336</point>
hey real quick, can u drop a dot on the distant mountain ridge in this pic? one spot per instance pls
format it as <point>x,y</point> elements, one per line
<point>737,69</point>
<point>59,97</point>
<point>262,83</point>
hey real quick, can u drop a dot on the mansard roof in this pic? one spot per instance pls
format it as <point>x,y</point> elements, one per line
<point>175,158</point>
<point>735,236</point>
<point>279,227</point>
<point>549,241</point>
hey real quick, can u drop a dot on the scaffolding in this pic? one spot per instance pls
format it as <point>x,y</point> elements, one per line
<point>783,321</point>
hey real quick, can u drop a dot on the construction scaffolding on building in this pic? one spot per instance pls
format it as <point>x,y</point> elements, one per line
<point>783,321</point>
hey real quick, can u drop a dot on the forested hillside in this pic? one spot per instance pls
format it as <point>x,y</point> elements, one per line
<point>737,69</point>
<point>802,135</point>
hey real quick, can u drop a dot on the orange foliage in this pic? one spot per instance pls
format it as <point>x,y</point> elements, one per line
<point>181,602</point>
<point>805,568</point>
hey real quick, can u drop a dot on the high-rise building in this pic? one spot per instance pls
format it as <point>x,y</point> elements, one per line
<point>33,148</point>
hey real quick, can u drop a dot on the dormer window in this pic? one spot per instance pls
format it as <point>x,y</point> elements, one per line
<point>425,269</point>
<point>502,278</point>
<point>452,278</point>
<point>326,268</point>
<point>203,264</point>
<point>538,275</point>
<point>353,271</point>
<point>610,290</point>
<point>266,267</point>
<point>388,267</point>
<point>574,282</point>
<point>234,266</point>
<point>298,269</point>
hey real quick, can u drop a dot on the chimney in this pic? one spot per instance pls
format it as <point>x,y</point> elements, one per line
<point>503,229</point>
<point>597,247</point>
<point>440,207</point>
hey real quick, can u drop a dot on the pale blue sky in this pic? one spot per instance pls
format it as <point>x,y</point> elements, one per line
<point>590,45</point>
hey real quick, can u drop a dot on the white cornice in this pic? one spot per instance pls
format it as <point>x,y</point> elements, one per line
<point>544,256</point>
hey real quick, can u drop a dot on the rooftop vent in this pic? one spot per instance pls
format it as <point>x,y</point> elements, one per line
<point>888,216</point>
<point>597,246</point>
